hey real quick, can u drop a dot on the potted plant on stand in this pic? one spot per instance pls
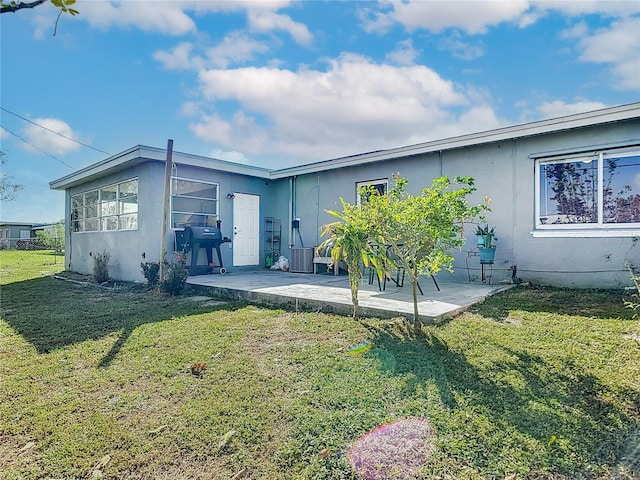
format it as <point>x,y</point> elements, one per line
<point>486,236</point>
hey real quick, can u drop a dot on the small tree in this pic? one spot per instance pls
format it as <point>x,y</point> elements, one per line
<point>8,189</point>
<point>351,239</point>
<point>53,239</point>
<point>420,231</point>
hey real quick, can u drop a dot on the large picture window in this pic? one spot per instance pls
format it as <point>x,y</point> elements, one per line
<point>600,190</point>
<point>112,207</point>
<point>194,203</point>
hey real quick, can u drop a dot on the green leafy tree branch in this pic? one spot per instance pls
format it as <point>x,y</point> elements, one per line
<point>420,231</point>
<point>65,6</point>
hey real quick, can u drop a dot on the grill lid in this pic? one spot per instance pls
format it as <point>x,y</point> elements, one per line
<point>194,234</point>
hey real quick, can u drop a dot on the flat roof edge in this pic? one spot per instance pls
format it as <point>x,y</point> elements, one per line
<point>578,120</point>
<point>144,153</point>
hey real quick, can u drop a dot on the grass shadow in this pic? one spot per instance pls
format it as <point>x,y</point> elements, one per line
<point>571,416</point>
<point>601,304</point>
<point>52,314</point>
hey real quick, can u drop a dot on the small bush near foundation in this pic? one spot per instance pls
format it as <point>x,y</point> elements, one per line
<point>174,275</point>
<point>101,267</point>
<point>151,270</point>
<point>635,278</point>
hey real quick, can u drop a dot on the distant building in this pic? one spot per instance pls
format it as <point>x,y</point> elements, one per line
<point>16,235</point>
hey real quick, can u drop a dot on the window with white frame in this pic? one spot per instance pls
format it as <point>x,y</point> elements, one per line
<point>194,203</point>
<point>112,207</point>
<point>598,190</point>
<point>363,189</point>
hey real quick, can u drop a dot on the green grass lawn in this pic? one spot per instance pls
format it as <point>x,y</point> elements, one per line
<point>96,383</point>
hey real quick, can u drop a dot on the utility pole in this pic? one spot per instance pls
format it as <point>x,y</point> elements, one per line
<point>166,211</point>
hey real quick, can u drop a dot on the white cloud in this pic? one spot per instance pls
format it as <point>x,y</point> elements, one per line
<point>173,17</point>
<point>201,6</point>
<point>404,54</point>
<point>459,48</point>
<point>190,109</point>
<point>163,17</point>
<point>477,16</point>
<point>579,30</point>
<point>48,141</point>
<point>179,58</point>
<point>559,108</point>
<point>266,21</point>
<point>230,156</point>
<point>372,20</point>
<point>617,45</point>
<point>574,8</point>
<point>235,48</point>
<point>353,106</point>
<point>473,17</point>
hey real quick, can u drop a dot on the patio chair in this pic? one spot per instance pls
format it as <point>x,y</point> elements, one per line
<point>396,277</point>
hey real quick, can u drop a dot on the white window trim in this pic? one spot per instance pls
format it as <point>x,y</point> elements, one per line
<point>171,195</point>
<point>598,229</point>
<point>100,217</point>
<point>586,233</point>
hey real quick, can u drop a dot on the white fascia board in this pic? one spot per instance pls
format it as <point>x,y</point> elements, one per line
<point>141,154</point>
<point>96,170</point>
<point>216,164</point>
<point>597,117</point>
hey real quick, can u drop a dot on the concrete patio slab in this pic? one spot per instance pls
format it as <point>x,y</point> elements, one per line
<point>329,293</point>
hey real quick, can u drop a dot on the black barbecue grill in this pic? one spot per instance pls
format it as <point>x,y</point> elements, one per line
<point>194,238</point>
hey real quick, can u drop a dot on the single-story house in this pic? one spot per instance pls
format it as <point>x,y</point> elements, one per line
<point>565,200</point>
<point>16,235</point>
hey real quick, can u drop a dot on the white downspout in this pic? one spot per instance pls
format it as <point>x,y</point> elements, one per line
<point>291,201</point>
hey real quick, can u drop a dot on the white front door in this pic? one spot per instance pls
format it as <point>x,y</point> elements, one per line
<point>246,229</point>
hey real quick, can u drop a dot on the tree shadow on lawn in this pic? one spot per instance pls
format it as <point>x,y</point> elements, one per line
<point>601,304</point>
<point>52,314</point>
<point>573,418</point>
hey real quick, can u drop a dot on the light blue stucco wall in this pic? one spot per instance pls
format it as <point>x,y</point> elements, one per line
<point>126,248</point>
<point>504,172</point>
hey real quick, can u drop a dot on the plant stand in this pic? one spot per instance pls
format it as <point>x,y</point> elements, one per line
<point>486,267</point>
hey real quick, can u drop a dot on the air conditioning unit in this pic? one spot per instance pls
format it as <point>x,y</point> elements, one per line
<point>301,260</point>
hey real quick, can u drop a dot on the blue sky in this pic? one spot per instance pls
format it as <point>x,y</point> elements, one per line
<point>278,83</point>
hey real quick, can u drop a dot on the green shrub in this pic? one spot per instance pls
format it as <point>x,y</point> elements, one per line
<point>101,266</point>
<point>174,275</point>
<point>635,278</point>
<point>151,271</point>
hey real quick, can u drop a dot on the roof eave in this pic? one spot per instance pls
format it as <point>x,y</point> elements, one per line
<point>597,117</point>
<point>96,170</point>
<point>140,154</point>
